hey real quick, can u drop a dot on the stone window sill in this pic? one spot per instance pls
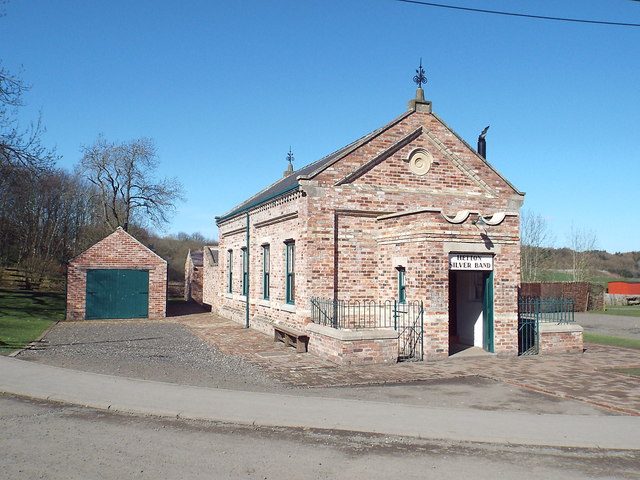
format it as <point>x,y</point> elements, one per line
<point>287,307</point>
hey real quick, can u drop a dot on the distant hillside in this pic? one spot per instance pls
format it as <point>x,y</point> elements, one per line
<point>558,263</point>
<point>173,248</point>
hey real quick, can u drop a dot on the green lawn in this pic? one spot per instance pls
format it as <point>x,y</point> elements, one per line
<point>24,315</point>
<point>625,311</point>
<point>612,341</point>
<point>629,371</point>
<point>620,310</point>
<point>564,276</point>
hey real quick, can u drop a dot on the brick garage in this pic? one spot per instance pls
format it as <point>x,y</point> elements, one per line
<point>410,207</point>
<point>113,264</point>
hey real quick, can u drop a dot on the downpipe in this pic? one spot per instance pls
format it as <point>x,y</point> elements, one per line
<point>246,312</point>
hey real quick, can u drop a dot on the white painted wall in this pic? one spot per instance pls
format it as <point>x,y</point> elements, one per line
<point>469,287</point>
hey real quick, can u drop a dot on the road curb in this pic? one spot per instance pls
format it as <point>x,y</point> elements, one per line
<point>145,397</point>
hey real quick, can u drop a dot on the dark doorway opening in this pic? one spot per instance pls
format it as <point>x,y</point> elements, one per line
<point>470,311</point>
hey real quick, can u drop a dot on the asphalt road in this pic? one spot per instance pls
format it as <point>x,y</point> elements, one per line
<point>610,325</point>
<point>143,397</point>
<point>42,440</point>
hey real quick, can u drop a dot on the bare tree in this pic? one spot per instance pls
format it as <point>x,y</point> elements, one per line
<point>19,146</point>
<point>534,237</point>
<point>43,220</point>
<point>582,243</point>
<point>123,175</point>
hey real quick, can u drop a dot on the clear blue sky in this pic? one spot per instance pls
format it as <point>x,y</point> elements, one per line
<point>224,88</point>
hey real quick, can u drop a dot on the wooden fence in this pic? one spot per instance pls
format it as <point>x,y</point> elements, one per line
<point>16,279</point>
<point>586,296</point>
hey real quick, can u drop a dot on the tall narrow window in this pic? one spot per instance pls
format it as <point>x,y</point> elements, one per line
<point>290,273</point>
<point>266,269</point>
<point>230,271</point>
<point>401,285</point>
<point>245,272</point>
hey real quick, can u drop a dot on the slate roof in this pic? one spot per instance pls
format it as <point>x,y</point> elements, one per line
<point>196,257</point>
<point>290,183</point>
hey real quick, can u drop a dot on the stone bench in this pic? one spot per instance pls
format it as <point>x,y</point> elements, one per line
<point>291,337</point>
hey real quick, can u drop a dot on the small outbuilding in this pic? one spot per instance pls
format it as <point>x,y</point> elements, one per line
<point>193,276</point>
<point>118,277</point>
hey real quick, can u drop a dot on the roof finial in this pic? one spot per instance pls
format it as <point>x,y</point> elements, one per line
<point>290,159</point>
<point>419,78</point>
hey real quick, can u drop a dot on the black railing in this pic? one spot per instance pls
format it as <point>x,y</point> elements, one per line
<point>359,314</point>
<point>407,318</point>
<point>547,310</point>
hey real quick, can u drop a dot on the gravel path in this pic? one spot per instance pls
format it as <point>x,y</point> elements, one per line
<point>161,351</point>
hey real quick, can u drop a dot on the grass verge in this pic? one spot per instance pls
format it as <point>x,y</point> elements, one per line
<point>612,341</point>
<point>629,371</point>
<point>24,315</point>
<point>631,311</point>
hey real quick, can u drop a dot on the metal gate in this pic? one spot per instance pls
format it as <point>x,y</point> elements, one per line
<point>408,321</point>
<point>528,335</point>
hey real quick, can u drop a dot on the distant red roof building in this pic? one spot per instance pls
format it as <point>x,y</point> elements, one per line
<point>624,288</point>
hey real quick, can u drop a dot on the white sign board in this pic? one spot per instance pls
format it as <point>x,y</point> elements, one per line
<point>467,261</point>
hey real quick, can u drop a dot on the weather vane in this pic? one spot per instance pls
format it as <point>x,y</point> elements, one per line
<point>419,78</point>
<point>290,158</point>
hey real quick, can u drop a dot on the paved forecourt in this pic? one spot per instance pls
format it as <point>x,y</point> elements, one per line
<point>128,395</point>
<point>592,377</point>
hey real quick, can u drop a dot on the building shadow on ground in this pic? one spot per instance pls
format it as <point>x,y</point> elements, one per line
<point>178,308</point>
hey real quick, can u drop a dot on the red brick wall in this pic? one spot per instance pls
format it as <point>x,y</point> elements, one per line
<point>210,278</point>
<point>233,236</point>
<point>423,241</point>
<point>193,281</point>
<point>587,296</point>
<point>356,348</point>
<point>564,338</point>
<point>117,251</point>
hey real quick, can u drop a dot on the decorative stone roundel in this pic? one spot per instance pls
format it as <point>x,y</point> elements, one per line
<point>420,162</point>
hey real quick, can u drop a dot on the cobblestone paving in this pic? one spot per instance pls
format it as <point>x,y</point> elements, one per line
<point>588,377</point>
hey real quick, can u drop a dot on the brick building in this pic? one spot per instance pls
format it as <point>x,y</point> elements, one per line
<point>210,274</point>
<point>406,229</point>
<point>118,277</point>
<point>193,271</point>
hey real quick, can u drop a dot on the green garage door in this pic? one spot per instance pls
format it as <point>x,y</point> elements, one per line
<point>117,294</point>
